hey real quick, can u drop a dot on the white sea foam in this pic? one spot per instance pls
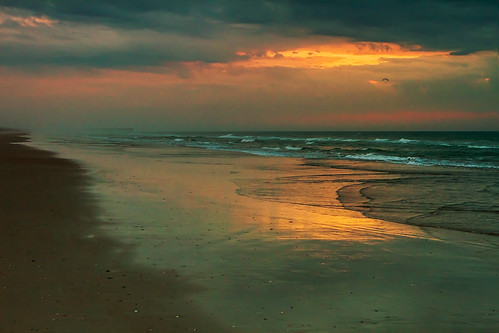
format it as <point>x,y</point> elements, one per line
<point>416,161</point>
<point>376,157</point>
<point>228,136</point>
<point>402,140</point>
<point>481,147</point>
<point>407,141</point>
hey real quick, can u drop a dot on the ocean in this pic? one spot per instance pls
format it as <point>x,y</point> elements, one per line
<point>456,149</point>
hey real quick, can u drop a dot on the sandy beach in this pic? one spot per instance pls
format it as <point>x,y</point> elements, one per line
<point>57,274</point>
<point>249,166</point>
<point>176,239</point>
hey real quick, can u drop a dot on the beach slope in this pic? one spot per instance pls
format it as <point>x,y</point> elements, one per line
<point>57,273</point>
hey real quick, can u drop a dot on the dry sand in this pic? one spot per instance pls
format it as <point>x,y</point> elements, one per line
<point>53,279</point>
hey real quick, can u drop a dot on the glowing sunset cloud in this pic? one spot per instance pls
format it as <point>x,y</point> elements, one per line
<point>380,83</point>
<point>333,55</point>
<point>27,21</point>
<point>235,65</point>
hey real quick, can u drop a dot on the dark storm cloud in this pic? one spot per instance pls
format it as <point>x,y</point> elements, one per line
<point>463,26</point>
<point>191,18</point>
<point>207,30</point>
<point>140,51</point>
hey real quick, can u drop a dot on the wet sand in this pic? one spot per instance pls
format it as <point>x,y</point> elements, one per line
<point>449,198</point>
<point>272,248</point>
<point>58,273</point>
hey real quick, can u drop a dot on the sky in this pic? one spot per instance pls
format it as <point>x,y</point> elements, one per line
<point>230,65</point>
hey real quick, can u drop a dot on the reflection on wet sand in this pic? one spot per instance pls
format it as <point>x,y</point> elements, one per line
<point>305,205</point>
<point>292,223</point>
<point>278,196</point>
<point>274,250</point>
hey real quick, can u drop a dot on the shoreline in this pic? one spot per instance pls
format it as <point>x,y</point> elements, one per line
<point>59,273</point>
<point>425,204</point>
<point>360,201</point>
<point>270,247</point>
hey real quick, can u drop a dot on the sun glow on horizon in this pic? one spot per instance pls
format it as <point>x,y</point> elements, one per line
<point>332,55</point>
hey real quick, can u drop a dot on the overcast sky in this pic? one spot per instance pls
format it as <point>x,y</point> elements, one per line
<point>249,65</point>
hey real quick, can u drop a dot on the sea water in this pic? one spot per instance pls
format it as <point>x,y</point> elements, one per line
<point>458,149</point>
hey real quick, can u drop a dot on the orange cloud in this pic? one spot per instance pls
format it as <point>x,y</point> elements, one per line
<point>332,55</point>
<point>27,21</point>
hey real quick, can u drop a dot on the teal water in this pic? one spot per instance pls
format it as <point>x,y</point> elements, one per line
<point>457,149</point>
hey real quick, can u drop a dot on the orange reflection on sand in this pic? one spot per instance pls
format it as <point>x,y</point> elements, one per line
<point>302,203</point>
<point>198,191</point>
<point>288,221</point>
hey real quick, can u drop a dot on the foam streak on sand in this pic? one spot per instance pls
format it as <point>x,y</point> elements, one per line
<point>273,248</point>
